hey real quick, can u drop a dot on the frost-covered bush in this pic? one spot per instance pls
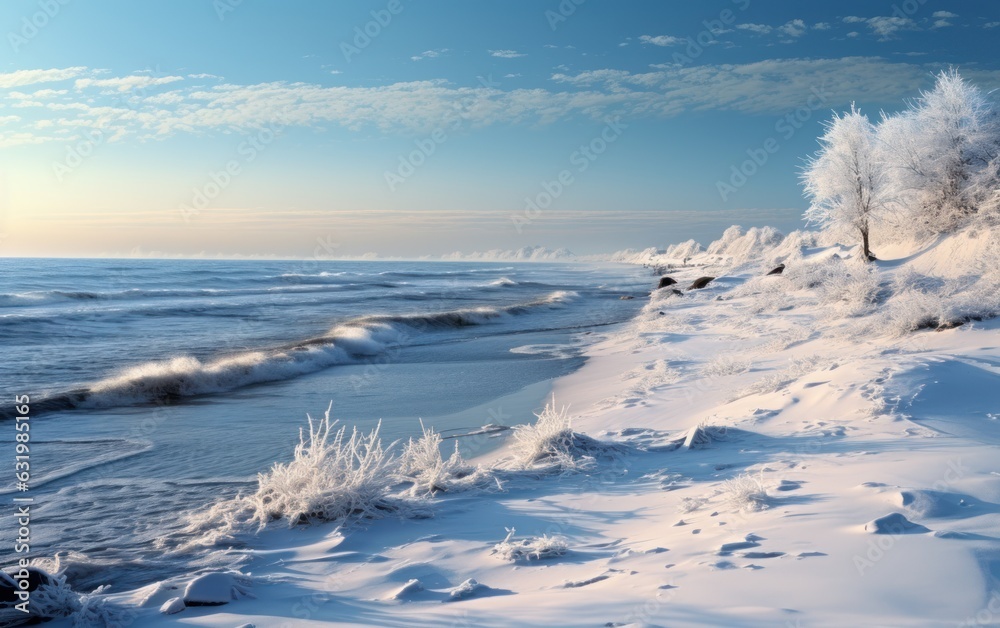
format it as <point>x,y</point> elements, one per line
<point>332,475</point>
<point>725,365</point>
<point>849,287</point>
<point>764,295</point>
<point>534,548</point>
<point>792,248</point>
<point>430,472</point>
<point>924,303</point>
<point>683,251</point>
<point>852,289</point>
<point>55,599</point>
<point>650,376</point>
<point>737,247</point>
<point>746,493</point>
<point>550,444</point>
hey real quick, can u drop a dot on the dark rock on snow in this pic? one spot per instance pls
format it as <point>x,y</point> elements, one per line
<point>700,283</point>
<point>666,281</point>
<point>777,271</point>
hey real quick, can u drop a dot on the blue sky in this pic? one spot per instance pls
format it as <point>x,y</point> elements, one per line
<point>264,128</point>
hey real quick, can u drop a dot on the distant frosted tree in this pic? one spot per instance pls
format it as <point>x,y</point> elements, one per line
<point>845,181</point>
<point>943,154</point>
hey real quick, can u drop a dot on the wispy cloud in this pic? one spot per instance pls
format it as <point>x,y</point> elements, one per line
<point>661,40</point>
<point>885,27</point>
<point>789,31</point>
<point>507,54</point>
<point>127,83</point>
<point>771,86</point>
<point>793,28</point>
<point>941,19</point>
<point>760,29</point>
<point>32,77</point>
<point>429,54</point>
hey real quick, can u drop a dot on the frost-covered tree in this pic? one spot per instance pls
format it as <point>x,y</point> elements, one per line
<point>943,154</point>
<point>846,181</point>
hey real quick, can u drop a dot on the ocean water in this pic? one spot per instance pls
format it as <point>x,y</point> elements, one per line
<point>159,387</point>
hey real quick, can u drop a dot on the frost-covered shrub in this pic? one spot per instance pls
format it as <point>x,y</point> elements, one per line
<point>430,472</point>
<point>534,548</point>
<point>691,504</point>
<point>650,376</point>
<point>55,599</point>
<point>764,295</point>
<point>737,247</point>
<point>683,251</point>
<point>725,365</point>
<point>746,493</point>
<point>550,444</point>
<point>917,301</point>
<point>850,287</point>
<point>792,248</point>
<point>332,475</point>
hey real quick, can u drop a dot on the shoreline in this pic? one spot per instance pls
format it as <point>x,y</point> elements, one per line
<point>749,446</point>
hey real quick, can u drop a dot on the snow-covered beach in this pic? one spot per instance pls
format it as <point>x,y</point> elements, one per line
<point>763,456</point>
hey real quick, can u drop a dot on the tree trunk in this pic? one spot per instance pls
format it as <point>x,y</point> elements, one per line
<point>864,239</point>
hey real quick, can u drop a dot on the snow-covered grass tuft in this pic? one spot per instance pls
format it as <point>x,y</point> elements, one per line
<point>922,302</point>
<point>777,380</point>
<point>430,472</point>
<point>746,493</point>
<point>55,599</point>
<point>534,548</point>
<point>550,444</point>
<point>783,339</point>
<point>332,475</point>
<point>725,365</point>
<point>848,287</point>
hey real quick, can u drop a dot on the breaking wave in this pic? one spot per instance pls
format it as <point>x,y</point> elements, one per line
<point>176,378</point>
